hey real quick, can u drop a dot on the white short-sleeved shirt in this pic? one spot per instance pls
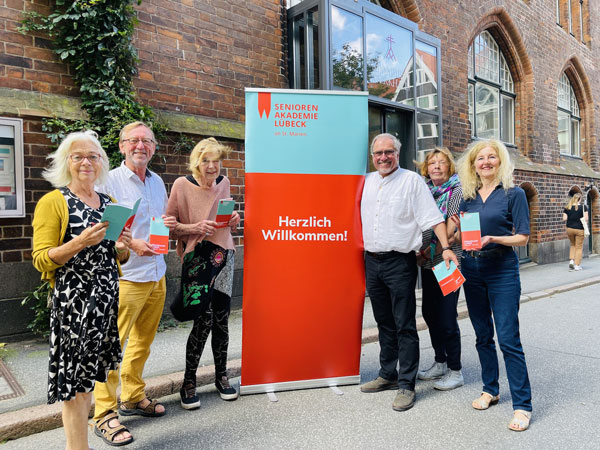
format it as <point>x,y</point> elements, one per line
<point>395,210</point>
<point>126,187</point>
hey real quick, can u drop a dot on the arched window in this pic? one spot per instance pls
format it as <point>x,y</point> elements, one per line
<point>569,120</point>
<point>491,91</point>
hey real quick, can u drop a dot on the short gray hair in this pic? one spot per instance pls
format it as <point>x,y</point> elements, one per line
<point>396,142</point>
<point>58,173</point>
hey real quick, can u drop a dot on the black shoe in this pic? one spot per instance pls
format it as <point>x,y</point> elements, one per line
<point>225,389</point>
<point>189,397</point>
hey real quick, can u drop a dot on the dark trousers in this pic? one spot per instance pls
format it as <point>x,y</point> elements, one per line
<point>391,281</point>
<point>493,287</point>
<point>440,316</point>
<point>216,320</point>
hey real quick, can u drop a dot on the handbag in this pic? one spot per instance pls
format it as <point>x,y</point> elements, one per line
<point>199,270</point>
<point>586,230</point>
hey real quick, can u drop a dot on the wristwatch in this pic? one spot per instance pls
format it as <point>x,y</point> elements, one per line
<point>446,248</point>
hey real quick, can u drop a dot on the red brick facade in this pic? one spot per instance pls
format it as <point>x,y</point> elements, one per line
<point>196,58</point>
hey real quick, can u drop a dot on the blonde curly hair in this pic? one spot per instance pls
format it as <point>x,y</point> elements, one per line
<point>469,179</point>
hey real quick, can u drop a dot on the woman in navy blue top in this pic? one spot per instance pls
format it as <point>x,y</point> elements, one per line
<point>493,286</point>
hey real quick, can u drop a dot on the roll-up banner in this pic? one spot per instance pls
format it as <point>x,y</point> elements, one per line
<point>304,282</point>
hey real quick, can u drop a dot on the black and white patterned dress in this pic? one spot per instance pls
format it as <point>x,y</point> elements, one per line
<point>84,338</point>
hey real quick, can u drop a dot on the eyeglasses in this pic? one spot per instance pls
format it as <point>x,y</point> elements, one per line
<point>387,153</point>
<point>134,141</point>
<point>93,158</point>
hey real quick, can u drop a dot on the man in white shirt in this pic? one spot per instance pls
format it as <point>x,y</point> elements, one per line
<point>396,207</point>
<point>142,287</point>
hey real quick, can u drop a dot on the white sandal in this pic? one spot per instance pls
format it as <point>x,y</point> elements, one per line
<point>485,401</point>
<point>520,420</point>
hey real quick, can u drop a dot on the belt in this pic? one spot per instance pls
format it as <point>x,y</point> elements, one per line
<point>385,255</point>
<point>492,253</point>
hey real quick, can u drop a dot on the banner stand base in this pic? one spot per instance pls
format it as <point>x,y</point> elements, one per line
<point>300,384</point>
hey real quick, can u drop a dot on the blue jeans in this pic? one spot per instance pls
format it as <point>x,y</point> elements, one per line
<point>391,281</point>
<point>493,287</point>
<point>439,312</point>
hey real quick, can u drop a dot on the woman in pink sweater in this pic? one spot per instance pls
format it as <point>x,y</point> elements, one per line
<point>206,251</point>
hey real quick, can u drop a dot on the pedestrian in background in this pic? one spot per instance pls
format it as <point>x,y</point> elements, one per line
<point>572,214</point>
<point>439,311</point>
<point>396,207</point>
<point>204,250</point>
<point>142,287</point>
<point>492,286</point>
<point>83,271</point>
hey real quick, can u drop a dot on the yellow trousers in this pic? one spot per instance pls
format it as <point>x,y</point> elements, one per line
<point>140,308</point>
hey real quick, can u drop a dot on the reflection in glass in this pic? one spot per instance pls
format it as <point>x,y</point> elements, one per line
<point>389,60</point>
<point>426,58</point>
<point>8,177</point>
<point>471,111</point>
<point>427,134</point>
<point>563,132</point>
<point>300,33</point>
<point>486,57</point>
<point>313,23</point>
<point>375,128</point>
<point>508,115</point>
<point>486,106</point>
<point>347,50</point>
<point>575,147</point>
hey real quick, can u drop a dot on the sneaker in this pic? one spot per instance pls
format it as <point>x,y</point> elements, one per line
<point>578,268</point>
<point>189,397</point>
<point>436,371</point>
<point>405,399</point>
<point>571,264</point>
<point>451,380</point>
<point>378,384</point>
<point>225,389</point>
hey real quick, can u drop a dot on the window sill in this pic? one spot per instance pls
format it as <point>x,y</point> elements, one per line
<point>566,155</point>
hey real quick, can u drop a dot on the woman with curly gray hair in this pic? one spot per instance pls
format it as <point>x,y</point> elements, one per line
<point>82,268</point>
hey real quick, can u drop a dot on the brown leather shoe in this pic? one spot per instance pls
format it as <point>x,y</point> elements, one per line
<point>405,399</point>
<point>378,384</point>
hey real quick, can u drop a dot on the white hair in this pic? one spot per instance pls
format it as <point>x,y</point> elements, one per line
<point>58,173</point>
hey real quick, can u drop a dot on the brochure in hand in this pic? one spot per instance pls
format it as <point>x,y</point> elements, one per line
<point>224,212</point>
<point>470,231</point>
<point>448,279</point>
<point>159,235</point>
<point>118,218</point>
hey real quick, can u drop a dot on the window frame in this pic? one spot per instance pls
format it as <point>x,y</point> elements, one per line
<point>474,79</point>
<point>19,168</point>
<point>573,117</point>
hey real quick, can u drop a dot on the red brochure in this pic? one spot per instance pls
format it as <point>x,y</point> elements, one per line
<point>470,231</point>
<point>448,279</point>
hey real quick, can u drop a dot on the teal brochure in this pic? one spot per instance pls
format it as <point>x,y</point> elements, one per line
<point>118,216</point>
<point>469,222</point>
<point>224,211</point>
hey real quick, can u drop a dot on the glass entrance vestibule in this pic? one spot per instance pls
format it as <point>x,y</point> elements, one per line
<point>358,45</point>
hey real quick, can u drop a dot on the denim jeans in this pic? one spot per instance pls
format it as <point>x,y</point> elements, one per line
<point>493,287</point>
<point>391,284</point>
<point>439,312</point>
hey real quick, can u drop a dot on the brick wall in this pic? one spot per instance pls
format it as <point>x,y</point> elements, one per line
<point>529,36</point>
<point>197,57</point>
<point>27,61</point>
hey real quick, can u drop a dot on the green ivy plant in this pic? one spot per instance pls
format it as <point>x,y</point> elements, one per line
<point>95,38</point>
<point>38,301</point>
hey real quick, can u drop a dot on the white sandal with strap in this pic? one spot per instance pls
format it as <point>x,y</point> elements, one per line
<point>520,420</point>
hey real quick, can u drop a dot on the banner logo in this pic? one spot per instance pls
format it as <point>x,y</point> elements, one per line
<point>264,104</point>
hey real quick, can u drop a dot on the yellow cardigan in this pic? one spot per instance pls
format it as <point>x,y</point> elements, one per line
<point>50,222</point>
